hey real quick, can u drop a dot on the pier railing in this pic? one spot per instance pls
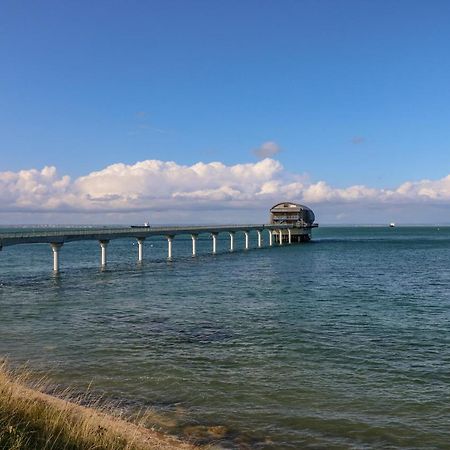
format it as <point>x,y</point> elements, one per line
<point>132,230</point>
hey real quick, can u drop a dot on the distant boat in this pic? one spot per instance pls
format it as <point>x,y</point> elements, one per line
<point>392,224</point>
<point>146,225</point>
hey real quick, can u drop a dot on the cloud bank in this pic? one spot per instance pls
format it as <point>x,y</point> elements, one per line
<point>178,192</point>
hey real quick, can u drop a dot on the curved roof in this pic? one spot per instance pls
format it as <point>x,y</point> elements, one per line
<point>291,205</point>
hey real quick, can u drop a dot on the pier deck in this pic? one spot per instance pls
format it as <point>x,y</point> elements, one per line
<point>103,233</point>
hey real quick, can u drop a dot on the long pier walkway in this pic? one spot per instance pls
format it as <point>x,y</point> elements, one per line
<point>57,238</point>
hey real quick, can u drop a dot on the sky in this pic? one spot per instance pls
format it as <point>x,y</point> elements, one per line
<point>213,111</point>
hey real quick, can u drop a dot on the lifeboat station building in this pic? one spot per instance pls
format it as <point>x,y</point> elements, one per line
<point>299,216</point>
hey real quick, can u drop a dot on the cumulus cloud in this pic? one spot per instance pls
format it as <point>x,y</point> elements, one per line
<point>33,189</point>
<point>154,185</point>
<point>267,149</point>
<point>162,184</point>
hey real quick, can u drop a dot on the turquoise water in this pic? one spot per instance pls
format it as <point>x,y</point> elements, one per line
<point>340,343</point>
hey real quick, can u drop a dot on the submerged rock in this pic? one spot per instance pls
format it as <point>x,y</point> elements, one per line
<point>206,432</point>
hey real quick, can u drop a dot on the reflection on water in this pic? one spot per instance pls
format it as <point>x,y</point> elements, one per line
<point>340,343</point>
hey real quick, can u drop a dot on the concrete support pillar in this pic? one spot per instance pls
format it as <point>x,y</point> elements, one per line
<point>55,249</point>
<point>169,247</point>
<point>214,243</point>
<point>259,239</point>
<point>246,239</point>
<point>231,241</point>
<point>280,236</point>
<point>194,244</point>
<point>289,236</point>
<point>270,238</point>
<point>103,245</point>
<point>140,242</point>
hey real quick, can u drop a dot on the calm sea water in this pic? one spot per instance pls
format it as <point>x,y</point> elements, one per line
<point>340,343</point>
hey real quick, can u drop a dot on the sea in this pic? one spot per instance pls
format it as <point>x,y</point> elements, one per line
<point>339,343</point>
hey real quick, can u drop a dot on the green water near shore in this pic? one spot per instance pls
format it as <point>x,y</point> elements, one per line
<point>339,343</point>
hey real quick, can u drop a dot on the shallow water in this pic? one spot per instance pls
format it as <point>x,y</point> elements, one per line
<point>340,343</point>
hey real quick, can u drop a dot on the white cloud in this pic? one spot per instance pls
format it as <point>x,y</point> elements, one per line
<point>32,189</point>
<point>179,191</point>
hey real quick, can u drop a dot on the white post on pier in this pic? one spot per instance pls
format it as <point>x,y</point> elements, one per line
<point>214,243</point>
<point>270,238</point>
<point>259,238</point>
<point>246,239</point>
<point>55,248</point>
<point>231,241</point>
<point>169,247</point>
<point>103,245</point>
<point>280,236</point>
<point>289,236</point>
<point>140,242</point>
<point>194,244</point>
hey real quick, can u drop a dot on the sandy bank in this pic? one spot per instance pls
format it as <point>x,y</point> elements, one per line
<point>31,419</point>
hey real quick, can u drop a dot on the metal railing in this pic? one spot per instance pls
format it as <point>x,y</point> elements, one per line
<point>130,230</point>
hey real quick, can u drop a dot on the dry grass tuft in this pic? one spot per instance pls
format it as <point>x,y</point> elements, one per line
<point>31,419</point>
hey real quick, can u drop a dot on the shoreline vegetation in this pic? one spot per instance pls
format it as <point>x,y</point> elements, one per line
<point>31,419</point>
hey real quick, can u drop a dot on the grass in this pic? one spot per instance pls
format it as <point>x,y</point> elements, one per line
<point>33,420</point>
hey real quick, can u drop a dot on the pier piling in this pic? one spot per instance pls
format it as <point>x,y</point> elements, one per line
<point>214,243</point>
<point>246,240</point>
<point>259,238</point>
<point>194,244</point>
<point>169,247</point>
<point>103,255</point>
<point>56,246</point>
<point>231,241</point>
<point>140,242</point>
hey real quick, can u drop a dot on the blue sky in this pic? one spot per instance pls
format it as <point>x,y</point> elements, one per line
<point>351,92</point>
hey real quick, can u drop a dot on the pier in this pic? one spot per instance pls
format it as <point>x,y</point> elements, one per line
<point>279,233</point>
